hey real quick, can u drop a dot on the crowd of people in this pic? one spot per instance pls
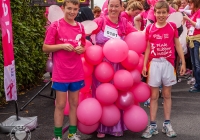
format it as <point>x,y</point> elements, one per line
<point>124,17</point>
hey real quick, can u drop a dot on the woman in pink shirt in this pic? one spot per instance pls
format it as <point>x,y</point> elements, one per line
<point>133,9</point>
<point>122,27</point>
<point>66,39</point>
<point>194,41</point>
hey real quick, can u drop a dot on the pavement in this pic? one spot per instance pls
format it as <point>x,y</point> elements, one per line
<point>185,115</point>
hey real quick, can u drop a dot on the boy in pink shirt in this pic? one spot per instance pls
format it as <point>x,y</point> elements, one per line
<point>160,55</point>
<point>66,39</point>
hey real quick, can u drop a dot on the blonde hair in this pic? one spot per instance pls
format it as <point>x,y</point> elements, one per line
<point>134,5</point>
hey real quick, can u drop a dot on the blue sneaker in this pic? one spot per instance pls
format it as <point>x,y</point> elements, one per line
<point>147,103</point>
<point>193,89</point>
<point>150,131</point>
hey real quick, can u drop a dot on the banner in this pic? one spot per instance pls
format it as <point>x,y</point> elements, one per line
<point>7,44</point>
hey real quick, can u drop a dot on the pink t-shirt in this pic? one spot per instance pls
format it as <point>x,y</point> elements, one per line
<point>194,18</point>
<point>161,41</point>
<point>103,21</point>
<point>143,15</point>
<point>67,66</point>
<point>151,15</point>
<point>128,17</point>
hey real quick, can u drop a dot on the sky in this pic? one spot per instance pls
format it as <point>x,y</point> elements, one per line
<point>99,3</point>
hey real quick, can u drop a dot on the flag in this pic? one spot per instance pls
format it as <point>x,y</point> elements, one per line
<point>8,54</point>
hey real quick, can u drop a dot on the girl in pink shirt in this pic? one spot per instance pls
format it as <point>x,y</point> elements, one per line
<point>162,39</point>
<point>133,9</point>
<point>140,20</point>
<point>66,39</point>
<point>194,41</point>
<point>123,27</point>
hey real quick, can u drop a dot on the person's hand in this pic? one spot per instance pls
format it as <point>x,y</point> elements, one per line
<point>144,72</point>
<point>185,17</point>
<point>79,49</point>
<point>183,69</point>
<point>67,47</point>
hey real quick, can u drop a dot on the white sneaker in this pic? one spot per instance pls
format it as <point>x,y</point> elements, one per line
<point>168,130</point>
<point>56,138</point>
<point>151,130</point>
<point>74,137</point>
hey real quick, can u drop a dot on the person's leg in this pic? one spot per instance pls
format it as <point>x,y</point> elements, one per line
<point>152,128</point>
<point>73,104</point>
<point>73,97</point>
<point>58,114</point>
<point>167,101</point>
<point>196,67</point>
<point>154,103</point>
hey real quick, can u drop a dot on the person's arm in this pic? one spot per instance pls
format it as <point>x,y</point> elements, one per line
<point>181,55</point>
<point>146,58</point>
<point>195,24</point>
<point>137,22</point>
<point>50,44</point>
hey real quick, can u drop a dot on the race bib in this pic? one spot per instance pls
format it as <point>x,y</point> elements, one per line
<point>110,32</point>
<point>191,30</point>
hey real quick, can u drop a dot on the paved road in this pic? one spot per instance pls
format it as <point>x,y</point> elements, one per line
<point>185,116</point>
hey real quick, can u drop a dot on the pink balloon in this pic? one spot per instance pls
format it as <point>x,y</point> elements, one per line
<point>141,63</point>
<point>106,93</point>
<point>87,129</point>
<point>136,76</point>
<point>89,26</point>
<point>49,65</point>
<point>115,50</point>
<point>135,119</point>
<point>88,44</point>
<point>94,54</point>
<point>131,61</point>
<point>89,111</point>
<point>141,92</point>
<point>104,72</point>
<point>123,80</point>
<point>88,83</point>
<point>110,115</point>
<point>136,41</point>
<point>87,67</point>
<point>124,100</point>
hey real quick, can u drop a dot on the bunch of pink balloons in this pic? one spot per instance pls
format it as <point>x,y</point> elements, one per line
<point>119,90</point>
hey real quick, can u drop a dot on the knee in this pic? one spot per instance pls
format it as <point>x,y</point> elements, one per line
<point>60,105</point>
<point>167,97</point>
<point>154,98</point>
<point>73,103</point>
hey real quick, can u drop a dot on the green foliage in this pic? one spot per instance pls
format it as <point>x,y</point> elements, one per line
<point>28,32</point>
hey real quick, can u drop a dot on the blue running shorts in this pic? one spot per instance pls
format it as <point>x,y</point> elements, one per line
<point>64,87</point>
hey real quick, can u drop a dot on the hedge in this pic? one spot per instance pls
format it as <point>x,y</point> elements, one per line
<point>28,32</point>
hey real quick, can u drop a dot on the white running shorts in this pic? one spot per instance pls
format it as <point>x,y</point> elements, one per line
<point>160,72</point>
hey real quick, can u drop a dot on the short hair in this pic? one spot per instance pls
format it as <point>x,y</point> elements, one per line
<point>96,9</point>
<point>135,5</point>
<point>177,2</point>
<point>75,2</point>
<point>161,4</point>
<point>119,1</point>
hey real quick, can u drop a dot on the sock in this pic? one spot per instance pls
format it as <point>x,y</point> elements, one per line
<point>153,123</point>
<point>58,132</point>
<point>166,121</point>
<point>72,130</point>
